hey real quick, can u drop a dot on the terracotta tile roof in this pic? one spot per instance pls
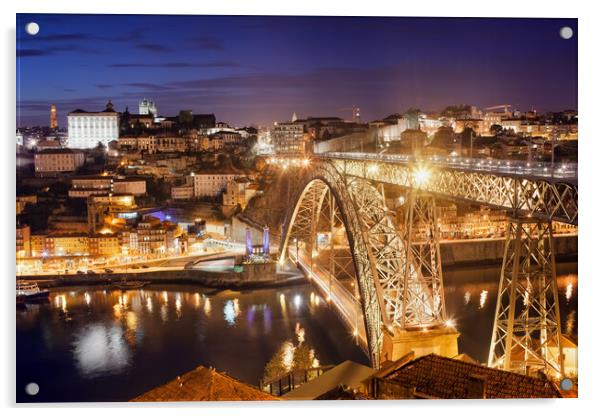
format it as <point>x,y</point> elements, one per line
<point>203,384</point>
<point>447,378</point>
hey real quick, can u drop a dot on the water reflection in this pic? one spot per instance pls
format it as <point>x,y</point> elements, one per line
<point>483,298</point>
<point>231,311</point>
<point>100,350</point>
<point>91,332</point>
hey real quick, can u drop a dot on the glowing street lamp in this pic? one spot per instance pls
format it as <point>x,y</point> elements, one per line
<point>421,176</point>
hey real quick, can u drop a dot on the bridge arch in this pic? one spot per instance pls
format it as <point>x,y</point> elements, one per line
<point>393,295</point>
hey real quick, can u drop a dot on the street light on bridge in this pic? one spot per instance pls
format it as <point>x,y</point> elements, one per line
<point>421,176</point>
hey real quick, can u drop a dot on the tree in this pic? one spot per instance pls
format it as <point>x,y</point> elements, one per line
<point>496,129</point>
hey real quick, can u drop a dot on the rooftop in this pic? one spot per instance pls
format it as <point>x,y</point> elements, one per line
<point>203,384</point>
<point>447,378</point>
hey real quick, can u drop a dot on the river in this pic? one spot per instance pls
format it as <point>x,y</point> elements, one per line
<point>97,344</point>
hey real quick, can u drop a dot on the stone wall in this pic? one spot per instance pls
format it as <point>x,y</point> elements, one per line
<point>460,252</point>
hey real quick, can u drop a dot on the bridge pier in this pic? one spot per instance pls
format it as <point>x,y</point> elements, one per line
<point>440,340</point>
<point>526,334</point>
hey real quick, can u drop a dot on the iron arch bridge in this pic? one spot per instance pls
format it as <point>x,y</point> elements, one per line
<point>393,285</point>
<point>380,265</point>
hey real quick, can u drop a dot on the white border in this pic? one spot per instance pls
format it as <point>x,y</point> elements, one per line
<point>590,147</point>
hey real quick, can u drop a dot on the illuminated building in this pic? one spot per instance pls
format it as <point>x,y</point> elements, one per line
<point>136,187</point>
<point>24,200</point>
<point>66,245</point>
<point>84,186</point>
<point>102,209</point>
<point>87,129</point>
<point>183,192</point>
<point>52,162</point>
<point>288,138</point>
<point>54,123</point>
<point>212,184</point>
<point>104,245</point>
<point>23,241</point>
<point>238,192</point>
<point>147,107</point>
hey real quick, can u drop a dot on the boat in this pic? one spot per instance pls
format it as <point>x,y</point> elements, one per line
<point>131,284</point>
<point>28,292</point>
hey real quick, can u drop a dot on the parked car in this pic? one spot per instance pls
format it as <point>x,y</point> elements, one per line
<point>108,271</point>
<point>80,272</point>
<point>90,272</point>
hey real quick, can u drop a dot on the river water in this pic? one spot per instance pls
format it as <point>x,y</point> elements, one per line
<point>97,344</point>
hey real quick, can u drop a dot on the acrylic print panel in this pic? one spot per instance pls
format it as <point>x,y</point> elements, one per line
<point>295,208</point>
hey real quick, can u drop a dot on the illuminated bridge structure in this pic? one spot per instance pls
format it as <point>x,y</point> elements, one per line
<point>363,227</point>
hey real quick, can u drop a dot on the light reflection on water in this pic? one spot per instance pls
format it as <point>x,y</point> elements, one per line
<point>138,339</point>
<point>100,349</point>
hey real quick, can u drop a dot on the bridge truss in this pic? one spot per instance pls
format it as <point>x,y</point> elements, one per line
<point>400,285</point>
<point>537,197</point>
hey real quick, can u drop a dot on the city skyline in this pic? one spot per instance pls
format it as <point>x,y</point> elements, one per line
<point>260,69</point>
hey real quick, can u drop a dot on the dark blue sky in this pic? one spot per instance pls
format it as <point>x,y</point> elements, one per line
<point>248,69</point>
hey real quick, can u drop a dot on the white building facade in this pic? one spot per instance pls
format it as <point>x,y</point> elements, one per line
<point>212,184</point>
<point>87,129</point>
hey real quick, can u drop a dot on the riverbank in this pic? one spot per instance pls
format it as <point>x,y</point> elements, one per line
<point>214,280</point>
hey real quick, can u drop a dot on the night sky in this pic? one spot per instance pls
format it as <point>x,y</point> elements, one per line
<point>257,70</point>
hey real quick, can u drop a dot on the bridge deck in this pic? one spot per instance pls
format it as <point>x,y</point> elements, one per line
<point>558,172</point>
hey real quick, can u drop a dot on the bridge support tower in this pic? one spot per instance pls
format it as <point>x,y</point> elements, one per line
<point>420,232</point>
<point>526,334</point>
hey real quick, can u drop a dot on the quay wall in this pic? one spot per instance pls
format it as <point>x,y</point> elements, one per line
<point>254,277</point>
<point>491,251</point>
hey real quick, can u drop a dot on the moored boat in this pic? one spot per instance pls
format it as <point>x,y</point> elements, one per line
<point>30,292</point>
<point>132,284</point>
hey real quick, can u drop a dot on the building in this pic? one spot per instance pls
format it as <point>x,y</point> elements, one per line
<point>48,144</point>
<point>238,192</point>
<point>182,192</point>
<point>288,139</point>
<point>212,184</point>
<point>436,377</point>
<point>67,245</point>
<point>24,200</point>
<point>52,162</point>
<point>106,209</point>
<point>23,241</point>
<point>84,186</point>
<point>136,187</point>
<point>87,129</point>
<point>204,384</point>
<point>151,237</point>
<point>54,123</point>
<point>147,107</point>
<point>104,245</point>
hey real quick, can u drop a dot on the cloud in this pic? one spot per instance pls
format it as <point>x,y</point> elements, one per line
<point>208,42</point>
<point>26,53</point>
<point>152,47</point>
<point>53,50</point>
<point>148,86</point>
<point>61,37</point>
<point>224,64</point>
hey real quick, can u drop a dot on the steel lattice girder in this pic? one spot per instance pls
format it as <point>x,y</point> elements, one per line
<point>424,252</point>
<point>391,294</point>
<point>540,198</point>
<point>527,320</point>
